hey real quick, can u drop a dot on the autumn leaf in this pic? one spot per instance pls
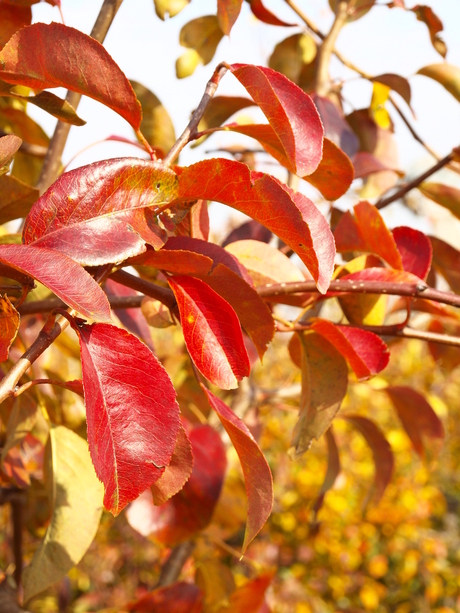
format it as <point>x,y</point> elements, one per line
<point>446,75</point>
<point>9,144</point>
<point>9,326</point>
<point>227,14</point>
<point>415,250</point>
<point>16,198</point>
<point>131,412</point>
<point>266,16</point>
<point>178,597</point>
<point>445,195</point>
<point>333,469</point>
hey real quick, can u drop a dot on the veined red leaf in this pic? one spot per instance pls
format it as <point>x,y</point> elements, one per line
<point>178,597</point>
<point>9,326</point>
<point>227,14</point>
<point>53,55</point>
<point>324,385</point>
<point>381,451</point>
<point>416,415</point>
<point>415,249</point>
<point>266,16</point>
<point>94,213</point>
<point>257,476</point>
<point>445,195</point>
<point>212,332</point>
<point>67,279</point>
<point>191,509</point>
<point>9,144</point>
<point>12,18</point>
<point>290,215</point>
<point>446,259</point>
<point>289,110</point>
<point>366,353</point>
<point>333,469</point>
<point>131,411</point>
<point>177,472</point>
<point>446,75</point>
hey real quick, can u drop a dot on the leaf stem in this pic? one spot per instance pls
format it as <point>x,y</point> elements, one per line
<point>189,133</point>
<point>52,162</point>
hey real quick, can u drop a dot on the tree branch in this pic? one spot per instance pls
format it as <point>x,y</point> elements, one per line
<point>163,294</point>
<point>52,162</point>
<point>322,80</point>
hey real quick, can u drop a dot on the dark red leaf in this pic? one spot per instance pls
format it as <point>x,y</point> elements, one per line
<point>416,415</point>
<point>177,472</point>
<point>257,476</point>
<point>95,213</point>
<point>176,598</point>
<point>333,469</point>
<point>366,353</point>
<point>9,144</point>
<point>290,215</point>
<point>212,332</point>
<point>265,15</point>
<point>53,55</point>
<point>335,126</point>
<point>252,230</point>
<point>381,451</point>
<point>290,111</point>
<point>191,509</point>
<point>67,279</point>
<point>12,18</point>
<point>131,411</point>
<point>227,13</point>
<point>415,249</point>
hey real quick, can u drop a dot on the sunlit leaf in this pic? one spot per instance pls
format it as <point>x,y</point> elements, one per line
<point>177,473</point>
<point>94,213</point>
<point>257,476</point>
<point>289,110</point>
<point>380,94</point>
<point>356,10</point>
<point>397,83</point>
<point>324,385</point>
<point>266,16</point>
<point>131,411</point>
<point>446,75</point>
<point>416,415</point>
<point>415,249</point>
<point>169,8</point>
<point>53,55</point>
<point>381,452</point>
<point>77,507</point>
<point>156,126</point>
<point>250,597</point>
<point>291,54</point>
<point>67,279</point>
<point>9,326</point>
<point>12,18</point>
<point>9,144</point>
<point>202,35</point>
<point>227,14</point>
<point>52,104</point>
<point>212,332</point>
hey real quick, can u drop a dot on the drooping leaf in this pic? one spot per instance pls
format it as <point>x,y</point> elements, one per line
<point>291,55</point>
<point>324,385</point>
<point>227,14</point>
<point>9,326</point>
<point>156,126</point>
<point>257,476</point>
<point>94,214</point>
<point>177,473</point>
<point>381,452</point>
<point>201,35</point>
<point>366,353</point>
<point>67,279</point>
<point>16,198</point>
<point>446,75</point>
<point>290,215</point>
<point>445,195</point>
<point>333,469</point>
<point>397,83</point>
<point>266,16</point>
<point>212,332</point>
<point>380,95</point>
<point>52,104</point>
<point>249,230</point>
<point>9,144</point>
<point>416,415</point>
<point>131,411</point>
<point>12,18</point>
<point>366,164</point>
<point>290,112</point>
<point>178,597</point>
<point>53,55</point>
<point>169,8</point>
<point>415,249</point>
<point>77,507</point>
<point>446,259</point>
<point>191,509</point>
<point>434,25</point>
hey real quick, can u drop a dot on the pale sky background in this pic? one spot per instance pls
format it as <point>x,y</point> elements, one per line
<point>382,41</point>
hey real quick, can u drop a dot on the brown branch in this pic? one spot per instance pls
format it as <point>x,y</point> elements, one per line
<point>322,80</point>
<point>52,162</point>
<point>402,191</point>
<point>173,566</point>
<point>189,133</point>
<point>47,305</point>
<point>163,294</point>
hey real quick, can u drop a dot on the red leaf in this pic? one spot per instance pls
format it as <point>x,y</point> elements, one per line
<point>289,110</point>
<point>9,326</point>
<point>267,16</point>
<point>378,237</point>
<point>190,510</point>
<point>9,144</point>
<point>250,597</point>
<point>212,332</point>
<point>366,163</point>
<point>381,451</point>
<point>250,230</point>
<point>257,476</point>
<point>335,126</point>
<point>177,473</point>
<point>176,598</point>
<point>131,411</point>
<point>67,279</point>
<point>94,214</point>
<point>12,18</point>
<point>415,249</point>
<point>366,353</point>
<point>54,55</point>
<point>290,215</point>
<point>227,13</point>
<point>416,415</point>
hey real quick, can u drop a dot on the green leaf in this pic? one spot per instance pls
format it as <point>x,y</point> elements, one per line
<point>77,508</point>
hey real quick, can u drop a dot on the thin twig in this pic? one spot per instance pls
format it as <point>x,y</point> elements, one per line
<point>322,80</point>
<point>189,133</point>
<point>52,162</point>
<point>163,294</point>
<point>172,568</point>
<point>49,304</point>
